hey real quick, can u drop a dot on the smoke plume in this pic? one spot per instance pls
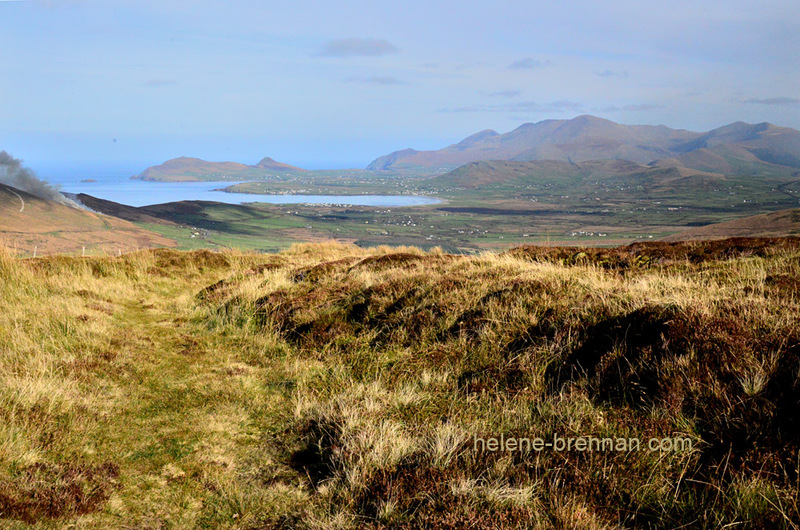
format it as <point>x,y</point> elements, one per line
<point>13,174</point>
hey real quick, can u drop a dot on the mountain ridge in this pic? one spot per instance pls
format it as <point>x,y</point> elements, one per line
<point>588,137</point>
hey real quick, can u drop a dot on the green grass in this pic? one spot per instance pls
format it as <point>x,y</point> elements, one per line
<point>463,228</point>
<point>336,387</point>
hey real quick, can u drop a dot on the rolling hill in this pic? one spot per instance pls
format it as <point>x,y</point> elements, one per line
<point>30,223</point>
<point>193,169</point>
<point>738,147</point>
<point>120,211</point>
<point>590,177</point>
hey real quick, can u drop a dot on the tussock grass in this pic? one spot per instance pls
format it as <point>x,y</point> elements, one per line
<point>335,387</point>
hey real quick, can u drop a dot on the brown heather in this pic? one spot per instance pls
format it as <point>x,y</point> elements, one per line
<point>335,387</point>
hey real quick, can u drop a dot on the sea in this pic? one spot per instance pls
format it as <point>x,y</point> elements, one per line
<point>131,192</point>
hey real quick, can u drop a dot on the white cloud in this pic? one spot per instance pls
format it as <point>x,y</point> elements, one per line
<point>376,80</point>
<point>505,93</point>
<point>521,106</point>
<point>612,73</point>
<point>779,101</point>
<point>528,63</point>
<point>355,46</point>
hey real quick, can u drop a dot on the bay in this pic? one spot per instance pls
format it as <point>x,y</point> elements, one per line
<point>145,193</point>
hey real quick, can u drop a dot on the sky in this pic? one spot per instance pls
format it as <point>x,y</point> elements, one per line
<point>89,86</point>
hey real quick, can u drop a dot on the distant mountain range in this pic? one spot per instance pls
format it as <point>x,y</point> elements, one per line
<point>189,169</point>
<point>736,148</point>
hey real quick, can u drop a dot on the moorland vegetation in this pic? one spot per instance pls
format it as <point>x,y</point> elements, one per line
<point>331,386</point>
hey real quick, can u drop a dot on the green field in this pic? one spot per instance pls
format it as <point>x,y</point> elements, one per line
<point>597,210</point>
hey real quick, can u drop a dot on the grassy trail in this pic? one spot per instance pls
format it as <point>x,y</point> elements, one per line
<point>336,387</point>
<point>157,411</point>
<point>190,422</point>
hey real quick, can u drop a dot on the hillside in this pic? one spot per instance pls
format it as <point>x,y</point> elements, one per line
<point>733,148</point>
<point>610,181</point>
<point>478,175</point>
<point>775,224</point>
<point>121,211</point>
<point>28,222</point>
<point>194,169</point>
<point>336,387</point>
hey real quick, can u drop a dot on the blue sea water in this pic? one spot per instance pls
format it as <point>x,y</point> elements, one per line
<point>144,193</point>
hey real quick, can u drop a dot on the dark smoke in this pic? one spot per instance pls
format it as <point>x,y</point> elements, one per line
<point>13,174</point>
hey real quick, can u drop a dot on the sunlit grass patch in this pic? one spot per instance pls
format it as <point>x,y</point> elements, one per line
<point>333,386</point>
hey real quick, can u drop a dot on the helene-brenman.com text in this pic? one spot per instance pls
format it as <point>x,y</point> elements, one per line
<point>580,443</point>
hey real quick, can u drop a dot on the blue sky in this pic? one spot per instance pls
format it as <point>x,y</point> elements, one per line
<point>92,86</point>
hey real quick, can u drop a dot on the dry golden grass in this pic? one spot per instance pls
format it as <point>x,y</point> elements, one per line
<point>336,387</point>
